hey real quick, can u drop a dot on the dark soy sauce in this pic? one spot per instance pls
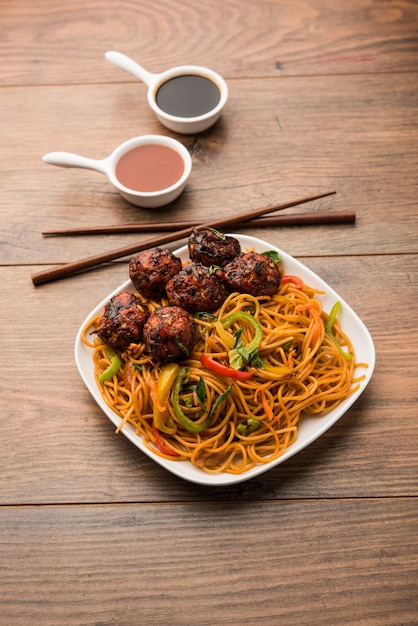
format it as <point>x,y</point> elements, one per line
<point>189,95</point>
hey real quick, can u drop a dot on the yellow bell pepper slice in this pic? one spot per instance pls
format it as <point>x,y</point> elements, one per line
<point>162,419</point>
<point>279,370</point>
<point>226,337</point>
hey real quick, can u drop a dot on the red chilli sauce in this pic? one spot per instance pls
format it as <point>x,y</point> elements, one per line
<point>150,167</point>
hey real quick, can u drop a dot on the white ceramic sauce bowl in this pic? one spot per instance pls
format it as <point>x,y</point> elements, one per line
<point>145,199</point>
<point>184,125</point>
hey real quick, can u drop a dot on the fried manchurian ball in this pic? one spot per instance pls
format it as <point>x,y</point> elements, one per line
<point>170,334</point>
<point>210,247</point>
<point>151,269</point>
<point>253,273</point>
<point>196,288</point>
<point>123,320</point>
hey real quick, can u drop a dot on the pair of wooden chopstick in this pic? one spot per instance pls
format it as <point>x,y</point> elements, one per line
<point>69,269</point>
<point>297,219</point>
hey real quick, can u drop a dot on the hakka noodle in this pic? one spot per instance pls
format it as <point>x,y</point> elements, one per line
<point>260,363</point>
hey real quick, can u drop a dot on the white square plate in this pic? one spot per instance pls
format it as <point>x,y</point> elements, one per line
<point>310,427</point>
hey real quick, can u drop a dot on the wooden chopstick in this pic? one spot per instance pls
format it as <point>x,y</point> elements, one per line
<point>69,269</point>
<point>297,219</point>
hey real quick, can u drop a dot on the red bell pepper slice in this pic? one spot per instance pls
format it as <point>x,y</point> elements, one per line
<point>292,279</point>
<point>160,443</point>
<point>223,370</point>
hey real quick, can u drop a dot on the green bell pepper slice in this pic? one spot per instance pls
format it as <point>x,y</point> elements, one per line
<point>329,330</point>
<point>112,368</point>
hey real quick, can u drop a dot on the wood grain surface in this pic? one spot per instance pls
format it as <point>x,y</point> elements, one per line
<point>188,564</point>
<point>323,95</point>
<point>51,43</point>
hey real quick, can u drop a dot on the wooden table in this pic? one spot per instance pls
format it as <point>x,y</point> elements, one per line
<point>323,95</point>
